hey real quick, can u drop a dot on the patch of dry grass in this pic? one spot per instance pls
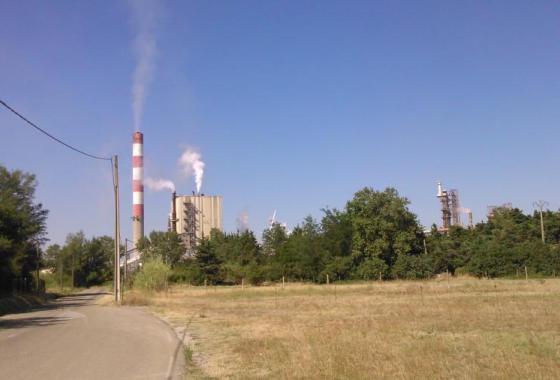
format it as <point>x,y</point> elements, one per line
<point>466,328</point>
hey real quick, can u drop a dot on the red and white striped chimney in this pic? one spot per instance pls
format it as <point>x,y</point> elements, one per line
<point>137,186</point>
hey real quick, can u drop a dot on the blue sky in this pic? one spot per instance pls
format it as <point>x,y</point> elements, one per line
<point>294,105</point>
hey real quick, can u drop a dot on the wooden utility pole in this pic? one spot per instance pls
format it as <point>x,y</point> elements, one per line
<point>37,267</point>
<point>61,273</point>
<point>73,262</point>
<point>117,268</point>
<point>125,259</point>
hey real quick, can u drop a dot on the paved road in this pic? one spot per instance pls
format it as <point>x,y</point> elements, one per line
<point>75,339</point>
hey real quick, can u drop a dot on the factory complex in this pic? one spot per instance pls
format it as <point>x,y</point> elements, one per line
<point>192,217</point>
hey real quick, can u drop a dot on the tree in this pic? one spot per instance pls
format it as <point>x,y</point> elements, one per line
<point>336,228</point>
<point>273,238</point>
<point>240,255</point>
<point>22,226</point>
<point>53,254</point>
<point>301,256</point>
<point>72,252</point>
<point>383,227</point>
<point>372,269</point>
<point>86,262</point>
<point>95,266</point>
<point>168,246</point>
<point>207,261</point>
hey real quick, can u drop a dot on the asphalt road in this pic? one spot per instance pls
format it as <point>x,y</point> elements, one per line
<point>75,339</point>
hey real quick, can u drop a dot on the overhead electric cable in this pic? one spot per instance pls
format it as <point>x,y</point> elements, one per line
<point>51,136</point>
<point>115,177</point>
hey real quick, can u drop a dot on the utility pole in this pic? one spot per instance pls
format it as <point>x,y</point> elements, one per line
<point>73,262</point>
<point>38,260</point>
<point>61,271</point>
<point>117,269</point>
<point>541,205</point>
<point>125,258</point>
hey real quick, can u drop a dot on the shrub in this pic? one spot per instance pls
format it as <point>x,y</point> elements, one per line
<point>187,272</point>
<point>412,267</point>
<point>153,276</point>
<point>371,269</point>
<point>255,273</point>
<point>338,268</point>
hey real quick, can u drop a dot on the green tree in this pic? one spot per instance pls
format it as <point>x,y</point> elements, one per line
<point>207,261</point>
<point>273,238</point>
<point>240,255</point>
<point>302,254</point>
<point>22,226</point>
<point>96,263</point>
<point>74,249</point>
<point>52,257</point>
<point>168,246</point>
<point>383,227</point>
<point>372,269</point>
<point>338,268</point>
<point>336,228</point>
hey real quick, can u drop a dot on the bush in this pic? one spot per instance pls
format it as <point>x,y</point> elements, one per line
<point>255,273</point>
<point>371,269</point>
<point>412,267</point>
<point>338,268</point>
<point>187,272</point>
<point>153,276</point>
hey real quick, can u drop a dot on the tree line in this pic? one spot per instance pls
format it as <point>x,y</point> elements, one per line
<point>375,236</point>
<point>79,262</point>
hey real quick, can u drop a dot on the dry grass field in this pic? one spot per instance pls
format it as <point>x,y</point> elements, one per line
<point>461,329</point>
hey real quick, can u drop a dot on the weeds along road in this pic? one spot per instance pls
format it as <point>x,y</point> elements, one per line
<point>73,338</point>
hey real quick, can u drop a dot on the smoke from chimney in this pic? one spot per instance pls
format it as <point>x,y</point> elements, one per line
<point>192,164</point>
<point>159,184</point>
<point>145,15</point>
<point>242,221</point>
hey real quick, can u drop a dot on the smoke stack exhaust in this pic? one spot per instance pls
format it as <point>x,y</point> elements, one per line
<point>137,187</point>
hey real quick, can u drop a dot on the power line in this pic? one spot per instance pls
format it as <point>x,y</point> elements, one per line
<point>115,177</point>
<point>51,136</point>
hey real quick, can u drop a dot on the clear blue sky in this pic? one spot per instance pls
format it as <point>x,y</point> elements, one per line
<point>294,105</point>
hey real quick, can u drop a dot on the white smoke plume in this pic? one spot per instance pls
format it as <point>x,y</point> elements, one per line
<point>242,221</point>
<point>192,164</point>
<point>145,15</point>
<point>159,184</point>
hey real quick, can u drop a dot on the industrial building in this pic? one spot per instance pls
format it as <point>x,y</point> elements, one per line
<point>492,209</point>
<point>451,209</point>
<point>194,216</point>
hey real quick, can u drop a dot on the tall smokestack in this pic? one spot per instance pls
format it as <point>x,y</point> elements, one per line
<point>173,212</point>
<point>137,186</point>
